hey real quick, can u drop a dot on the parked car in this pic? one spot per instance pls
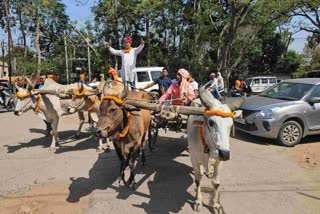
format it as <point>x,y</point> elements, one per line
<point>146,75</point>
<point>288,111</point>
<point>260,83</point>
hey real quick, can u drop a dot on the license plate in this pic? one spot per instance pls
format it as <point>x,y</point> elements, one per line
<point>242,121</point>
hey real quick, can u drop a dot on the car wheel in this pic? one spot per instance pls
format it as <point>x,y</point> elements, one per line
<point>290,133</point>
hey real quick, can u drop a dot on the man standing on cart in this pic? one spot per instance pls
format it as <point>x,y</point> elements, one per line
<point>128,57</point>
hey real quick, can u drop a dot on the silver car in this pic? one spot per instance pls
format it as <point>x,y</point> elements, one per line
<point>288,111</point>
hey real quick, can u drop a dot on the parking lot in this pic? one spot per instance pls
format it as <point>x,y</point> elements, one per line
<point>261,177</point>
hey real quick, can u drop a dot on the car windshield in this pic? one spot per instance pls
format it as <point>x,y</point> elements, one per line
<point>287,91</point>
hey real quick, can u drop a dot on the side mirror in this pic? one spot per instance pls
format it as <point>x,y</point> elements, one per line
<point>314,100</point>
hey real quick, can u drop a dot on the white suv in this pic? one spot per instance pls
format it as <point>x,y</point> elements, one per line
<point>146,75</point>
<point>260,83</point>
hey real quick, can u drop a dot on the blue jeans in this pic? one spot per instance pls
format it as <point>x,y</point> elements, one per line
<point>215,92</point>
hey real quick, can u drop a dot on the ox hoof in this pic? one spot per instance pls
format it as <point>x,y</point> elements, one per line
<point>197,206</point>
<point>132,186</point>
<point>107,149</point>
<point>217,209</point>
<point>99,149</point>
<point>52,149</point>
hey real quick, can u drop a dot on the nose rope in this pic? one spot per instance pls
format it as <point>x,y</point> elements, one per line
<point>76,106</point>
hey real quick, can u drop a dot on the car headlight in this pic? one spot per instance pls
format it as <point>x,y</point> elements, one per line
<point>265,114</point>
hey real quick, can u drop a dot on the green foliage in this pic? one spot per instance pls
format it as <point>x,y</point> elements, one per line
<point>239,38</point>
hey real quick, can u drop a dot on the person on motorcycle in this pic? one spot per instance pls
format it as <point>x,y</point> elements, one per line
<point>220,82</point>
<point>212,86</point>
<point>3,87</point>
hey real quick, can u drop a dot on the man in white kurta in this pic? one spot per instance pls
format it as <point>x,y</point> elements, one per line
<point>128,59</point>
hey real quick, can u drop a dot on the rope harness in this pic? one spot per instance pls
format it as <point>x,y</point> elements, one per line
<point>119,102</point>
<point>81,94</point>
<point>92,105</point>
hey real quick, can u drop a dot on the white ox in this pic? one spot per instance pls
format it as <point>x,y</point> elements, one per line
<point>47,106</point>
<point>208,141</point>
<point>85,100</point>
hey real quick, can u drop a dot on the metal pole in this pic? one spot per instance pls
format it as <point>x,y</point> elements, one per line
<point>2,47</point>
<point>66,53</point>
<point>9,39</point>
<point>89,59</point>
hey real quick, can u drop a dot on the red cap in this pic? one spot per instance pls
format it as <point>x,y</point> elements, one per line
<point>127,40</point>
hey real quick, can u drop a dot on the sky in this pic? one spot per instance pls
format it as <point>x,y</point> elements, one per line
<point>80,11</point>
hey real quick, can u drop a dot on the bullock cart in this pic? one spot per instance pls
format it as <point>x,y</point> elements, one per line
<point>174,117</point>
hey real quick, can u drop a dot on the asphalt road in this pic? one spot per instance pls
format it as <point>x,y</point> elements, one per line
<point>260,177</point>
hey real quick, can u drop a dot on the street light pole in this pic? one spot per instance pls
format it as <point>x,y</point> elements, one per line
<point>89,59</point>
<point>66,53</point>
<point>10,45</point>
<point>2,47</point>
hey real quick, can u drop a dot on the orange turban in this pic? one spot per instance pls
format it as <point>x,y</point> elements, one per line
<point>127,40</point>
<point>237,83</point>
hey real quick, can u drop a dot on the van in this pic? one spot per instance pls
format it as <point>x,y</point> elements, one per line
<point>146,75</point>
<point>260,83</point>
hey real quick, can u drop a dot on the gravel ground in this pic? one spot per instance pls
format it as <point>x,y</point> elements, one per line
<point>260,178</point>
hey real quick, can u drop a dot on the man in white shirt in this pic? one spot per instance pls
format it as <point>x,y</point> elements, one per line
<point>128,59</point>
<point>220,81</point>
<point>212,85</point>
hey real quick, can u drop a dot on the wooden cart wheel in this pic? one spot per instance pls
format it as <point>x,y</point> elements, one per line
<point>153,134</point>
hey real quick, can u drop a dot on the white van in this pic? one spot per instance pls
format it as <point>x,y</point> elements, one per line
<point>260,83</point>
<point>146,75</point>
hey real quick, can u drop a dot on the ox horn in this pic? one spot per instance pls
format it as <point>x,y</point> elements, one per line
<point>81,88</point>
<point>206,98</point>
<point>30,85</point>
<point>107,85</point>
<point>16,85</point>
<point>234,105</point>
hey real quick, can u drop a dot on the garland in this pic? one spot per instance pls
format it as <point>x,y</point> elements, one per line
<point>92,105</point>
<point>21,96</point>
<point>201,138</point>
<point>77,93</point>
<point>126,129</point>
<point>219,113</point>
<point>37,109</point>
<point>116,99</point>
<point>127,50</point>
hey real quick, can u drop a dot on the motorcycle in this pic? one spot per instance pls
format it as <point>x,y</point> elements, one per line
<point>7,98</point>
<point>240,92</point>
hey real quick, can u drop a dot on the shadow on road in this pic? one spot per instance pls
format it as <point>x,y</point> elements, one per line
<point>66,137</point>
<point>167,179</point>
<point>253,139</point>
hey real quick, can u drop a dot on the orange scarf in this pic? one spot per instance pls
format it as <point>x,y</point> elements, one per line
<point>127,50</point>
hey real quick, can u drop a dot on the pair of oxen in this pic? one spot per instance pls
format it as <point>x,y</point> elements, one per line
<point>126,124</point>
